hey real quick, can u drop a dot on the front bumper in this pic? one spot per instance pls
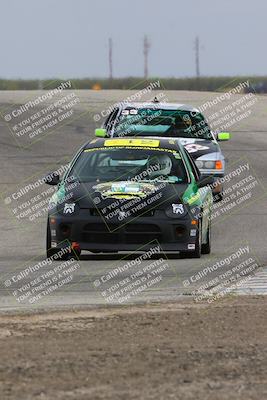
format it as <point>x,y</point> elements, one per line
<point>140,233</point>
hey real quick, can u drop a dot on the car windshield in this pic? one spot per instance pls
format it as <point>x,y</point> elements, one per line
<point>162,123</point>
<point>124,164</point>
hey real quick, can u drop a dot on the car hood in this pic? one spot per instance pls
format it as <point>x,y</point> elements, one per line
<point>104,194</point>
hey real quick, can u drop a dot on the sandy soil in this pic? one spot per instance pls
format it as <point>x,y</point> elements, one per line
<point>171,351</point>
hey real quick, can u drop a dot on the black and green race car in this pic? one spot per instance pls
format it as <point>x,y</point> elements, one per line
<point>122,194</point>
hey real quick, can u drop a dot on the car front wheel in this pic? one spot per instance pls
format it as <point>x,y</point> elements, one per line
<point>206,247</point>
<point>197,252</point>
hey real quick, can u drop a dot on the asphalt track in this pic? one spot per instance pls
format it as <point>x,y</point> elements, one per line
<point>23,241</point>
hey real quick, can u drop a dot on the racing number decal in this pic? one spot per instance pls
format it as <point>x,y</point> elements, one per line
<point>193,148</point>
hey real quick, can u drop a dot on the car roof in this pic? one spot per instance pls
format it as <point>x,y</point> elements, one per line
<point>161,106</point>
<point>166,143</point>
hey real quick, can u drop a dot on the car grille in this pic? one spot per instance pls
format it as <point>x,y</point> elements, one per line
<point>144,213</point>
<point>128,234</point>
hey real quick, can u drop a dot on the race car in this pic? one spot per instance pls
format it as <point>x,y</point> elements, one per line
<point>123,194</point>
<point>176,121</point>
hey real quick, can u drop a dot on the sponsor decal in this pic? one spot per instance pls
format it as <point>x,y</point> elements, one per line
<point>125,188</point>
<point>193,148</point>
<point>69,208</point>
<point>185,141</point>
<point>132,142</point>
<point>178,208</point>
<point>118,189</point>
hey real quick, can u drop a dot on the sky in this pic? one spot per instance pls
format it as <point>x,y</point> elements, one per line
<point>69,38</point>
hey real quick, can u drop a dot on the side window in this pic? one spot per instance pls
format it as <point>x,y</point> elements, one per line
<point>193,165</point>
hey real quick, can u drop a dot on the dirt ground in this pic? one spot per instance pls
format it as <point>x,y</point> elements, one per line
<point>170,351</point>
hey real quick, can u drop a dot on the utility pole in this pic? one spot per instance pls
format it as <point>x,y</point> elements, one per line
<point>197,56</point>
<point>110,58</point>
<point>146,51</point>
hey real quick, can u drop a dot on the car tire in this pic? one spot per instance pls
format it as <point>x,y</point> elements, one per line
<point>51,252</point>
<point>197,252</point>
<point>206,247</point>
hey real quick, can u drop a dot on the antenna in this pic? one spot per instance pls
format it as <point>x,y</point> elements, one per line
<point>146,51</point>
<point>110,58</point>
<point>197,56</point>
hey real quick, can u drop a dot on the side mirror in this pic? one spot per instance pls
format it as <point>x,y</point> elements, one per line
<point>101,132</point>
<point>223,136</point>
<point>205,180</point>
<point>52,179</point>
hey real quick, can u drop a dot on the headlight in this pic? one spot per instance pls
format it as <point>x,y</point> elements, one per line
<point>209,164</point>
<point>200,164</point>
<point>176,210</point>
